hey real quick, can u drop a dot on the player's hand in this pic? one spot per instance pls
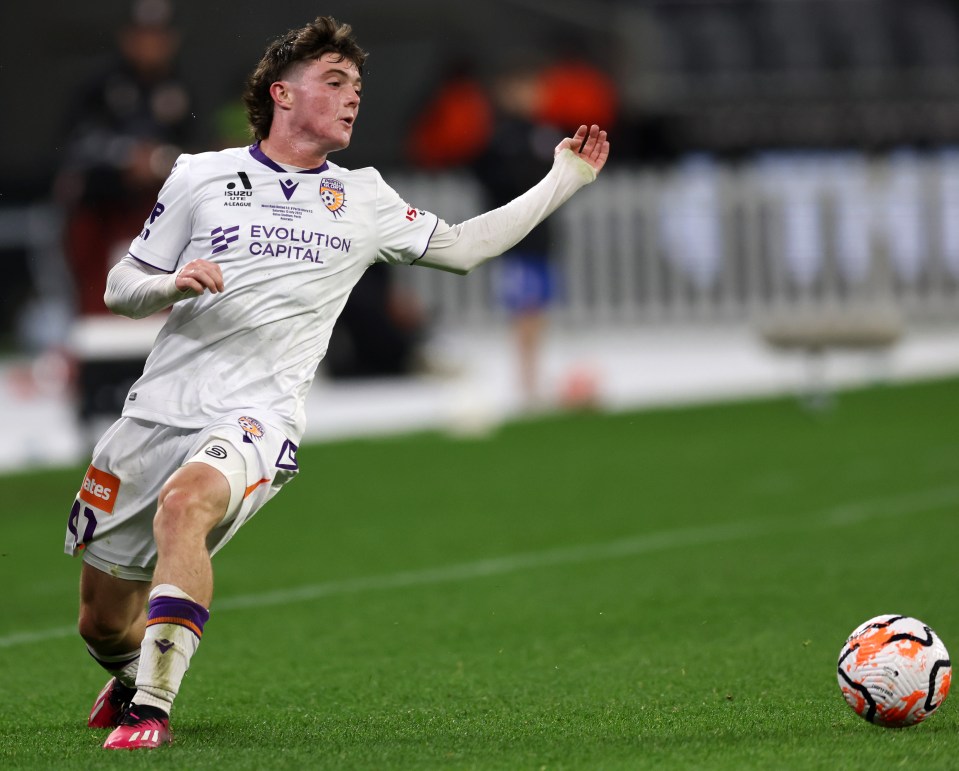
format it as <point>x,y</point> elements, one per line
<point>200,276</point>
<point>590,144</point>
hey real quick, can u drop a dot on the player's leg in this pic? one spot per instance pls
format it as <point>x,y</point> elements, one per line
<point>112,612</point>
<point>111,622</point>
<point>110,526</point>
<point>191,503</point>
<point>231,470</point>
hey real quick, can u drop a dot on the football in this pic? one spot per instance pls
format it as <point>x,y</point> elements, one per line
<point>894,671</point>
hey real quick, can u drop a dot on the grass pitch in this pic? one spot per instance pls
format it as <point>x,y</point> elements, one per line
<point>665,589</point>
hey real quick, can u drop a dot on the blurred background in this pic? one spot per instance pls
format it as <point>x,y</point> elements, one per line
<point>780,211</point>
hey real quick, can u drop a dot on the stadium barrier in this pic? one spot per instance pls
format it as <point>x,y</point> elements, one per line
<point>848,247</point>
<point>866,245</point>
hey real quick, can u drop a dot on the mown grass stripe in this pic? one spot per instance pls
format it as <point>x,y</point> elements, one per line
<point>835,516</point>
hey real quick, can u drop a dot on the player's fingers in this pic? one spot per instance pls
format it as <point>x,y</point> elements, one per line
<point>604,147</point>
<point>580,139</point>
<point>583,148</point>
<point>208,282</point>
<point>574,143</point>
<point>187,284</point>
<point>589,142</point>
<point>216,275</point>
<point>598,144</point>
<point>585,144</point>
<point>200,277</point>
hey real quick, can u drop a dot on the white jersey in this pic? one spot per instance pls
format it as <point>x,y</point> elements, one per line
<point>291,245</point>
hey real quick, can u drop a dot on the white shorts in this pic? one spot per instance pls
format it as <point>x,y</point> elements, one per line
<point>111,522</point>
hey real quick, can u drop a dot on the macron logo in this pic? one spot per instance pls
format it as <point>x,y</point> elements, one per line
<point>288,187</point>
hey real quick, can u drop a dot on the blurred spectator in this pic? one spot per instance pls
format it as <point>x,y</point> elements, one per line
<point>455,126</point>
<point>505,133</point>
<point>123,135</point>
<point>574,92</point>
<point>534,107</point>
<point>517,156</point>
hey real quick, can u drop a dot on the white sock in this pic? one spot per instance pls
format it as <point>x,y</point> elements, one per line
<point>174,628</point>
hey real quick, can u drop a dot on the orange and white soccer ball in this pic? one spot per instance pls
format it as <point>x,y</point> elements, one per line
<point>894,671</point>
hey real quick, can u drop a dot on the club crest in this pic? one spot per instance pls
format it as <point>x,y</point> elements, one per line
<point>333,195</point>
<point>251,428</point>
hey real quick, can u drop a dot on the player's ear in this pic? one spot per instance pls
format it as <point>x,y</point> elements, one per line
<point>280,91</point>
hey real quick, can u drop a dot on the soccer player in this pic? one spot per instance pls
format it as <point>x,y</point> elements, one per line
<point>256,250</point>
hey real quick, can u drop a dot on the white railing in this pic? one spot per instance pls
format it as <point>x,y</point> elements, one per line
<point>699,242</point>
<point>706,241</point>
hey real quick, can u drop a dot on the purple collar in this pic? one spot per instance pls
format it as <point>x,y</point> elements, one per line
<point>262,157</point>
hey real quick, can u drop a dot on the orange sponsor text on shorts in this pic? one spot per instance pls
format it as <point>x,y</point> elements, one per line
<point>100,489</point>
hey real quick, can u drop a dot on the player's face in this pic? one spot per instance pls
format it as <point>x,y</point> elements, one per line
<point>326,100</point>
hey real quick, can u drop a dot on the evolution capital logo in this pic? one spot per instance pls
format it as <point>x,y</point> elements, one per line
<point>221,238</point>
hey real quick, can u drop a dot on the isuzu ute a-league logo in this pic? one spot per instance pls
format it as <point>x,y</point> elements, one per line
<point>239,197</point>
<point>333,196</point>
<point>221,238</point>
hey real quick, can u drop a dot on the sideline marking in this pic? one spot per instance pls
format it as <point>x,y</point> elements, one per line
<point>836,516</point>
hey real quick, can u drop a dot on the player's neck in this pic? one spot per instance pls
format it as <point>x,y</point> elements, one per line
<point>289,152</point>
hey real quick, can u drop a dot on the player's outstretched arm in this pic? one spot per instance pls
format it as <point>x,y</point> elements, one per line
<point>136,290</point>
<point>460,248</point>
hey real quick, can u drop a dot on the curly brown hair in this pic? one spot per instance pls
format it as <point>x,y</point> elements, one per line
<point>321,36</point>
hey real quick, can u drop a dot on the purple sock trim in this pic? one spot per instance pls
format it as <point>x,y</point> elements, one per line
<point>174,610</point>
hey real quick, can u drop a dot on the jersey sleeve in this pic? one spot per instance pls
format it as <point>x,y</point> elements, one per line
<point>403,231</point>
<point>168,228</point>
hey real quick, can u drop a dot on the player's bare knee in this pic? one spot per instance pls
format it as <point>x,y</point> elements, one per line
<point>177,513</point>
<point>186,510</point>
<point>102,628</point>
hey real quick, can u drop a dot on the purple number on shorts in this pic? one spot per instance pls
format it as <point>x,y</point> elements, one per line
<point>73,524</point>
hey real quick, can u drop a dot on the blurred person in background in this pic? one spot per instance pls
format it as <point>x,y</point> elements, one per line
<point>533,105</point>
<point>124,133</point>
<point>455,124</point>
<point>256,249</point>
<point>525,279</point>
<point>573,89</point>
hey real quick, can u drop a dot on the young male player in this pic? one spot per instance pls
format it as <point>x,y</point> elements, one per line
<point>256,250</point>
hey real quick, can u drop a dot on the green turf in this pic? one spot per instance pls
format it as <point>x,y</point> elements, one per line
<point>666,589</point>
